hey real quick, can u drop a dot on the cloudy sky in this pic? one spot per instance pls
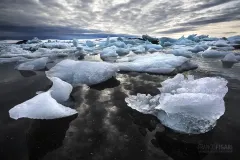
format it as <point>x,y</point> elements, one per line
<point>67,19</point>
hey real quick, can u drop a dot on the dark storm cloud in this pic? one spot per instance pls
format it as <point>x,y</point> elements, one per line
<point>178,30</point>
<point>231,14</point>
<point>66,18</point>
<point>208,4</point>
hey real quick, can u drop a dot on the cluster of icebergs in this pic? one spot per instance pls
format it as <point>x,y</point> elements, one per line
<point>185,105</point>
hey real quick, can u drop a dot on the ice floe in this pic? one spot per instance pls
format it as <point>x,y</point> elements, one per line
<point>155,63</point>
<point>185,105</point>
<point>34,65</point>
<point>83,72</point>
<point>181,52</point>
<point>213,53</point>
<point>45,105</point>
<point>230,58</point>
<point>42,106</point>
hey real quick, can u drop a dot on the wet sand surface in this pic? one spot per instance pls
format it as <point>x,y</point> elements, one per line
<point>106,128</point>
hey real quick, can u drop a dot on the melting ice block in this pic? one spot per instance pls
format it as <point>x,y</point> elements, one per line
<point>155,63</point>
<point>42,106</point>
<point>82,72</point>
<point>34,65</point>
<point>181,52</point>
<point>230,58</point>
<point>60,90</point>
<point>213,54</point>
<point>185,105</point>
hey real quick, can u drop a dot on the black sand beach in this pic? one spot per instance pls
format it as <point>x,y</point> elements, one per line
<point>106,128</point>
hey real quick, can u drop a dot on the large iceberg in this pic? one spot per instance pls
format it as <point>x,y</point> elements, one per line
<point>155,63</point>
<point>185,105</point>
<point>42,106</point>
<point>34,65</point>
<point>82,72</point>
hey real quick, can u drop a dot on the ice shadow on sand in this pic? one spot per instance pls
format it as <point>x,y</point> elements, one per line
<point>44,136</point>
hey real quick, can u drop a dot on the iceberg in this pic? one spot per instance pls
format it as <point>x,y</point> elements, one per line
<point>213,53</point>
<point>152,50</point>
<point>34,65</point>
<point>186,105</point>
<point>34,40</point>
<point>13,51</point>
<point>12,59</point>
<point>108,52</point>
<point>119,44</point>
<point>90,44</point>
<point>221,43</point>
<point>166,44</point>
<point>230,58</point>
<point>75,42</point>
<point>138,49</point>
<point>184,41</point>
<point>155,63</point>
<point>153,46</point>
<point>122,51</point>
<point>181,52</point>
<point>56,45</point>
<point>199,48</point>
<point>60,90</point>
<point>42,106</point>
<point>82,72</point>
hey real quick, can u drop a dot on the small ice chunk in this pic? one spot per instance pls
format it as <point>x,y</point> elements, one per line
<point>119,44</point>
<point>230,58</point>
<point>34,40</point>
<point>34,65</point>
<point>12,59</point>
<point>122,51</point>
<point>199,48</point>
<point>138,49</point>
<point>155,46</point>
<point>60,90</point>
<point>152,50</point>
<point>221,43</point>
<point>181,52</point>
<point>166,44</point>
<point>185,105</point>
<point>58,45</point>
<point>90,43</point>
<point>109,52</point>
<point>213,54</point>
<point>42,106</point>
<point>82,72</point>
<point>75,42</point>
